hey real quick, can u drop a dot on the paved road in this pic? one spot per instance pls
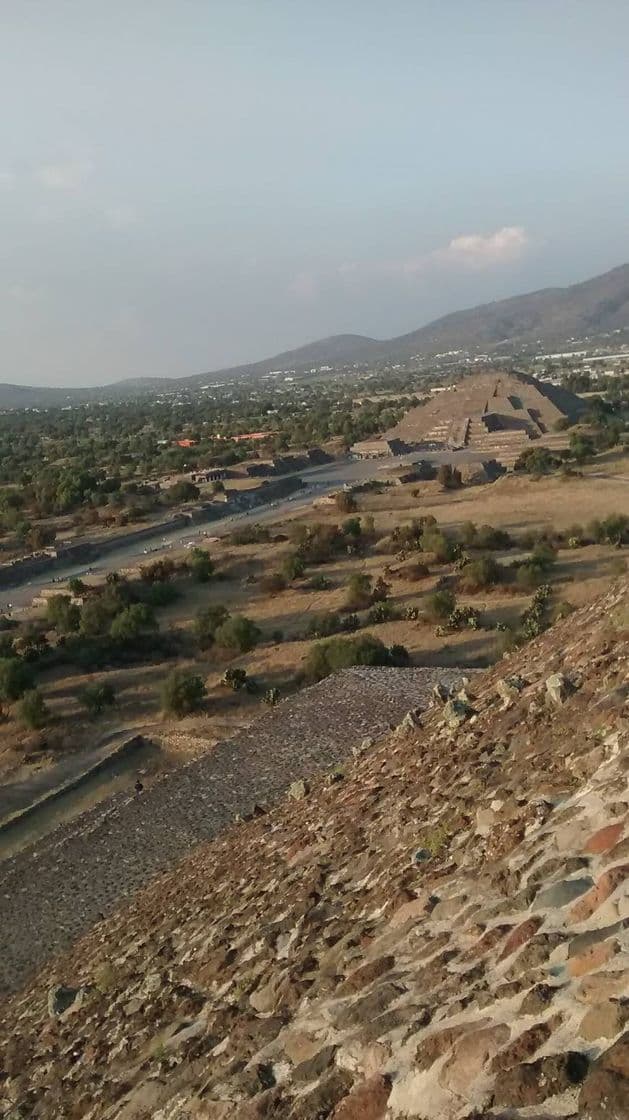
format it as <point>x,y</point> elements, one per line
<point>320,480</point>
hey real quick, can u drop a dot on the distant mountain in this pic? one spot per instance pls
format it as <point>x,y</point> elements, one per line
<point>545,318</point>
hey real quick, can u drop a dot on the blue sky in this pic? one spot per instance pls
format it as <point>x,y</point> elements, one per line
<point>186,184</point>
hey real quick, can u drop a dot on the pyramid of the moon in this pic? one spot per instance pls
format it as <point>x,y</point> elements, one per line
<point>498,414</point>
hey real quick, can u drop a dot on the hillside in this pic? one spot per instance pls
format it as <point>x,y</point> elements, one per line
<point>441,932</point>
<point>544,318</point>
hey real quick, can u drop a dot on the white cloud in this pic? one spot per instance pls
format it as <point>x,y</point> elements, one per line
<point>481,250</point>
<point>69,176</point>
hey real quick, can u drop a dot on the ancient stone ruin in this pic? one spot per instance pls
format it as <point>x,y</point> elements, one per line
<point>496,414</point>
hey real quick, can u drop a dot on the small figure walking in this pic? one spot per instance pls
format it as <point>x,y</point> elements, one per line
<point>138,787</point>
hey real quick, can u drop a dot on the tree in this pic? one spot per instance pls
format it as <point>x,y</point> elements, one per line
<point>132,623</point>
<point>359,592</point>
<point>96,616</point>
<point>201,565</point>
<point>182,491</point>
<point>182,692</point>
<point>97,696</point>
<point>16,677</point>
<point>207,623</point>
<point>32,709</point>
<point>76,586</point>
<point>581,447</point>
<point>237,634</point>
<point>40,536</point>
<point>62,614</point>
<point>158,572</point>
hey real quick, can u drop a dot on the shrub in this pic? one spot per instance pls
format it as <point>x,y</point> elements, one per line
<point>32,709</point>
<point>182,692</point>
<point>480,573</point>
<point>380,591</point>
<point>537,461</point>
<point>352,527</point>
<point>236,679</point>
<point>293,566</point>
<point>207,623</point>
<point>320,583</point>
<point>435,541</point>
<point>237,634</point>
<point>528,577</point>
<point>381,612</point>
<point>342,653</point>
<point>76,586</point>
<point>324,625</point>
<point>96,697</point>
<point>441,603</point>
<point>250,534</point>
<point>489,537</point>
<point>158,572</point>
<point>359,592</point>
<point>16,678</point>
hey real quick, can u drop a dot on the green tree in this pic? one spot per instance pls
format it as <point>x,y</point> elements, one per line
<point>32,709</point>
<point>480,573</point>
<point>182,491</point>
<point>62,614</point>
<point>16,677</point>
<point>96,616</point>
<point>581,447</point>
<point>207,623</point>
<point>182,692</point>
<point>97,696</point>
<point>238,634</point>
<point>201,565</point>
<point>132,623</point>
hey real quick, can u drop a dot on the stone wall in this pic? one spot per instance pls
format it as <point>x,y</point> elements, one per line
<point>55,890</point>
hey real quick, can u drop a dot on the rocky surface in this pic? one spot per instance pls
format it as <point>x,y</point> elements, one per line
<point>63,883</point>
<point>442,932</point>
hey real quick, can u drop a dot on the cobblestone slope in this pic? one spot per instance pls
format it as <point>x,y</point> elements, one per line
<point>443,933</point>
<point>55,890</point>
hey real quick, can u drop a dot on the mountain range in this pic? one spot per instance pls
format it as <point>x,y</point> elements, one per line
<point>540,319</point>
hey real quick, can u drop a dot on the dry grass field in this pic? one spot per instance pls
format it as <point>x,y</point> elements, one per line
<point>516,503</point>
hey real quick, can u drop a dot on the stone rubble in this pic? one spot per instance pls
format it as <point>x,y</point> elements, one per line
<point>443,934</point>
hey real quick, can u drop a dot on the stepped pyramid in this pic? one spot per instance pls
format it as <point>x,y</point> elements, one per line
<point>497,414</point>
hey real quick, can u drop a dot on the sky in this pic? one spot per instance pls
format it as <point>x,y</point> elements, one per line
<point>191,184</point>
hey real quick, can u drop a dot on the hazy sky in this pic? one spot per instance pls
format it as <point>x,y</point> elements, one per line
<point>186,184</point>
